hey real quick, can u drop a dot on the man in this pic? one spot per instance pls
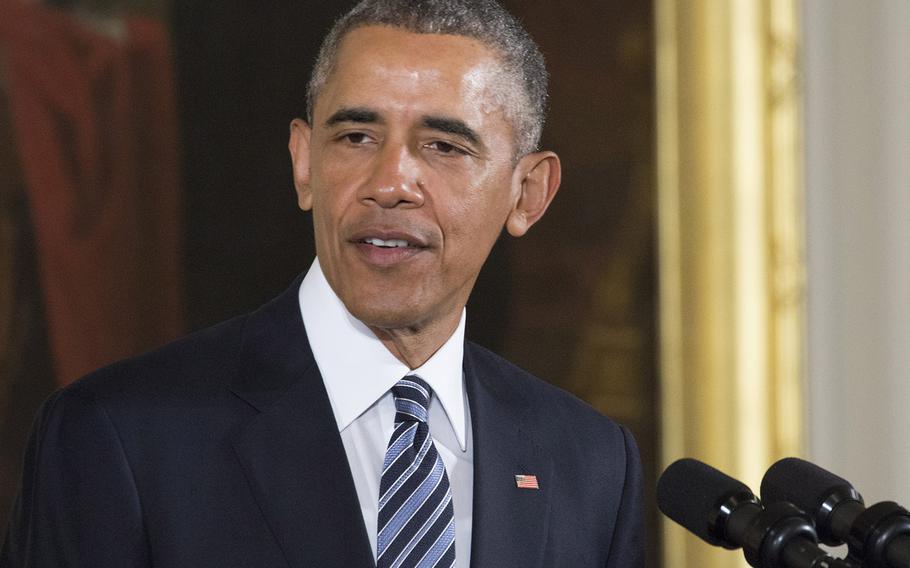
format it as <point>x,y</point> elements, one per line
<point>347,423</point>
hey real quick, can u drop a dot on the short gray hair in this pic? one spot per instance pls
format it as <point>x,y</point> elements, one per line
<point>483,20</point>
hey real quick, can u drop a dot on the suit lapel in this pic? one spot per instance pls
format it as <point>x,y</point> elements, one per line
<point>510,524</point>
<point>291,452</point>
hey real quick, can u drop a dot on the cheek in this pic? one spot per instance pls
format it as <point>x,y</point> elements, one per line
<point>333,191</point>
<point>474,222</point>
<point>338,171</point>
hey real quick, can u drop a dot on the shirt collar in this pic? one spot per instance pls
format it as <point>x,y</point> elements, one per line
<point>358,369</point>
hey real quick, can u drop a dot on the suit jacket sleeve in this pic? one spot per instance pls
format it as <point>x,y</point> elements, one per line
<point>627,547</point>
<point>78,505</point>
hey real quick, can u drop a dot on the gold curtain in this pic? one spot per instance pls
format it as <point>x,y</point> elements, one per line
<point>730,243</point>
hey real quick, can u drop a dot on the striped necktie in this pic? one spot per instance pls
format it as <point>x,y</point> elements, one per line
<point>416,520</point>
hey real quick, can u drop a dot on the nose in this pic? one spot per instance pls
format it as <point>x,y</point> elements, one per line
<point>395,179</point>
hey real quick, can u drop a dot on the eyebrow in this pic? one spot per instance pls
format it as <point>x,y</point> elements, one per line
<point>353,114</point>
<point>445,124</point>
<point>452,126</point>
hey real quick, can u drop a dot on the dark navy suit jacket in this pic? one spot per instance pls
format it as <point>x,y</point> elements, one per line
<point>221,450</point>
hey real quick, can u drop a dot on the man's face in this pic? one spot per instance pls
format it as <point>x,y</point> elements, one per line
<point>408,168</point>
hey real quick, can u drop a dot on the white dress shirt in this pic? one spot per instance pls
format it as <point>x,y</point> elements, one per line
<point>358,371</point>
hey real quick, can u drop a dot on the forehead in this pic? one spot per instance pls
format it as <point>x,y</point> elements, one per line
<point>395,70</point>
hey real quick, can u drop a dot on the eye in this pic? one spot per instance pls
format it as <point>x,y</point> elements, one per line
<point>356,138</point>
<point>445,147</point>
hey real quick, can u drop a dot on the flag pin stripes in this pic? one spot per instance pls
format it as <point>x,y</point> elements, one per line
<point>526,482</point>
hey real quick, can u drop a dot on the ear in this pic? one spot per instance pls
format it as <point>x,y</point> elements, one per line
<point>299,146</point>
<point>536,180</point>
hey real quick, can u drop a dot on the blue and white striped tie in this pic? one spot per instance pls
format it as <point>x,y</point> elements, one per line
<point>416,519</point>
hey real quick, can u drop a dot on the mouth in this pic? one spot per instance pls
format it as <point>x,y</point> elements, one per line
<point>389,243</point>
<point>385,248</point>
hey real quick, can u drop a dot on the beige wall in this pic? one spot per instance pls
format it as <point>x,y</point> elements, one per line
<point>857,134</point>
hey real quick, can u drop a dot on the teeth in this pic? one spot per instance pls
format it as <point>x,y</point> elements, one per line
<point>391,243</point>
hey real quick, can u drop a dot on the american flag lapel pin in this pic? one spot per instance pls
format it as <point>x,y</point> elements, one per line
<point>525,481</point>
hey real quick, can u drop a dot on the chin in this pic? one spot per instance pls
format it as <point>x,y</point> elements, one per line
<point>385,314</point>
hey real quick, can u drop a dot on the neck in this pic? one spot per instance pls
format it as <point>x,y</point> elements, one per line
<point>414,347</point>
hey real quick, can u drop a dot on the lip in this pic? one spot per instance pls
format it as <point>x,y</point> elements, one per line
<point>385,257</point>
<point>413,240</point>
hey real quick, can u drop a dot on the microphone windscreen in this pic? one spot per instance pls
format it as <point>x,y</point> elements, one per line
<point>691,493</point>
<point>800,482</point>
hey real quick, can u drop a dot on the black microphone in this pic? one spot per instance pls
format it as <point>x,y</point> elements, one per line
<point>878,536</point>
<point>724,512</point>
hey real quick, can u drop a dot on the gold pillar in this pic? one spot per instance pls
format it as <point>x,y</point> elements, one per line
<point>730,243</point>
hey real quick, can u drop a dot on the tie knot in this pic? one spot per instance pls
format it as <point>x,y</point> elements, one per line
<point>412,399</point>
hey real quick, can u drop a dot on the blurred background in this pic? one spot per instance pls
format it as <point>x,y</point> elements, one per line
<point>726,269</point>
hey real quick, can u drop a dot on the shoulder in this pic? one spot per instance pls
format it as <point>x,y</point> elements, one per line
<point>207,360</point>
<point>199,361</point>
<point>207,375</point>
<point>558,413</point>
<point>146,407</point>
<point>594,477</point>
